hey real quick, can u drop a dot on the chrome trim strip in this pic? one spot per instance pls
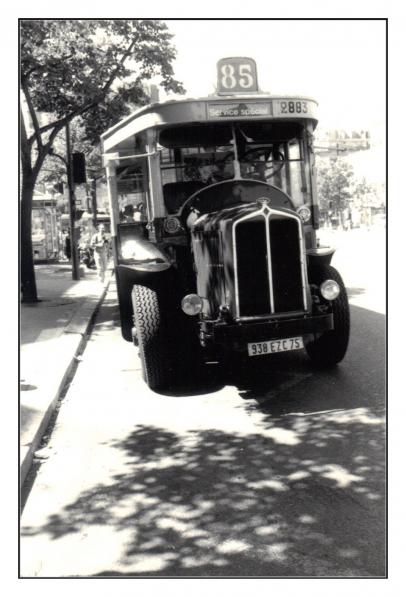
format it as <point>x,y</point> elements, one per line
<point>303,263</point>
<point>269,260</point>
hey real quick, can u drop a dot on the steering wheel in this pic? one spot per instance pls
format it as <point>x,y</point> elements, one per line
<point>253,156</point>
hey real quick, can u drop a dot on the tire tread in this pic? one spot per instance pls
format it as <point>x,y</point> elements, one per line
<point>152,340</point>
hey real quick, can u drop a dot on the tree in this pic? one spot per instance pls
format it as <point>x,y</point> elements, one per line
<point>367,195</point>
<point>89,69</point>
<point>334,180</point>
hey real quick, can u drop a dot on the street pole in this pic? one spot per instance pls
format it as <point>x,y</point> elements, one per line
<point>72,208</point>
<point>94,201</point>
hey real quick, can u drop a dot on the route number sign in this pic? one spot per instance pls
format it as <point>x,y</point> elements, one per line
<point>236,75</point>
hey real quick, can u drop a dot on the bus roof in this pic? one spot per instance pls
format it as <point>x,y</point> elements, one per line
<point>208,109</point>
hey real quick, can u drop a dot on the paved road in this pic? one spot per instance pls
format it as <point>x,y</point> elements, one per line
<point>276,472</point>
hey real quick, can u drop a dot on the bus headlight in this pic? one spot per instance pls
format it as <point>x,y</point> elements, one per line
<point>172,225</point>
<point>304,213</point>
<point>192,304</point>
<point>329,290</point>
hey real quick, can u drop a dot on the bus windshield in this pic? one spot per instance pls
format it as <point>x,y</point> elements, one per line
<point>269,152</point>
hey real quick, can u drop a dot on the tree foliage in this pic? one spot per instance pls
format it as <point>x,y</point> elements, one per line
<point>334,180</point>
<point>93,69</point>
<point>367,194</point>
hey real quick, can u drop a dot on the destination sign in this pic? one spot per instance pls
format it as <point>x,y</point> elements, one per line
<point>239,110</point>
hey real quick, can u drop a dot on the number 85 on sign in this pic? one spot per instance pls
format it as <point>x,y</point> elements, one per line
<point>236,75</point>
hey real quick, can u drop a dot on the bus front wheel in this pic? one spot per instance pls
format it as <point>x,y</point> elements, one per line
<point>151,335</point>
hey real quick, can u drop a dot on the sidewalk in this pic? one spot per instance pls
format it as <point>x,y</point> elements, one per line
<point>53,331</point>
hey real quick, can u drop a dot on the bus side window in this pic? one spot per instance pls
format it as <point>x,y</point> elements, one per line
<point>132,184</point>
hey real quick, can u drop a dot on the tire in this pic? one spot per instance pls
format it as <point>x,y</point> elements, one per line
<point>152,336</point>
<point>329,349</point>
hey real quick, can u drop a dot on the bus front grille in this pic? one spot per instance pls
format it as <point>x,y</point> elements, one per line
<point>268,265</point>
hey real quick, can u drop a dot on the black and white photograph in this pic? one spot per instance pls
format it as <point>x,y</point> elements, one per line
<point>203,298</point>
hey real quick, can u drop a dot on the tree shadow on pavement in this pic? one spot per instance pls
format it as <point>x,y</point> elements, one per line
<point>302,496</point>
<point>298,492</point>
<point>281,502</point>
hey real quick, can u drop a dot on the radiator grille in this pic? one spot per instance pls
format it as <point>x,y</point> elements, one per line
<point>269,275</point>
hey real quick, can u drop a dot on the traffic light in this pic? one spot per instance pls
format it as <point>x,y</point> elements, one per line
<point>78,167</point>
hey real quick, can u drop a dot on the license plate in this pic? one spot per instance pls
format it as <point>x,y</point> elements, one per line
<point>258,348</point>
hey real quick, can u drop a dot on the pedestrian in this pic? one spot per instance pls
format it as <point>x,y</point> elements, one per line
<point>100,244</point>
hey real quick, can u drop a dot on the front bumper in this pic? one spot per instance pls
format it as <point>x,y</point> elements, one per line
<point>236,335</point>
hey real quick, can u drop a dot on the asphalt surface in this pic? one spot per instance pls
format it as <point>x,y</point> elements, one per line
<point>276,470</point>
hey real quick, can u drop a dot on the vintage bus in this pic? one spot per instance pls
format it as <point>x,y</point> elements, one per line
<point>213,218</point>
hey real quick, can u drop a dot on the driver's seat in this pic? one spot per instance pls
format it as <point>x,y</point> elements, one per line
<point>176,193</point>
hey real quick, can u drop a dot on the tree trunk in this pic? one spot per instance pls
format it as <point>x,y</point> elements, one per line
<point>28,283</point>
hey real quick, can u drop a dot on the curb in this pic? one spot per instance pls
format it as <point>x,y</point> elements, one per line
<point>78,330</point>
